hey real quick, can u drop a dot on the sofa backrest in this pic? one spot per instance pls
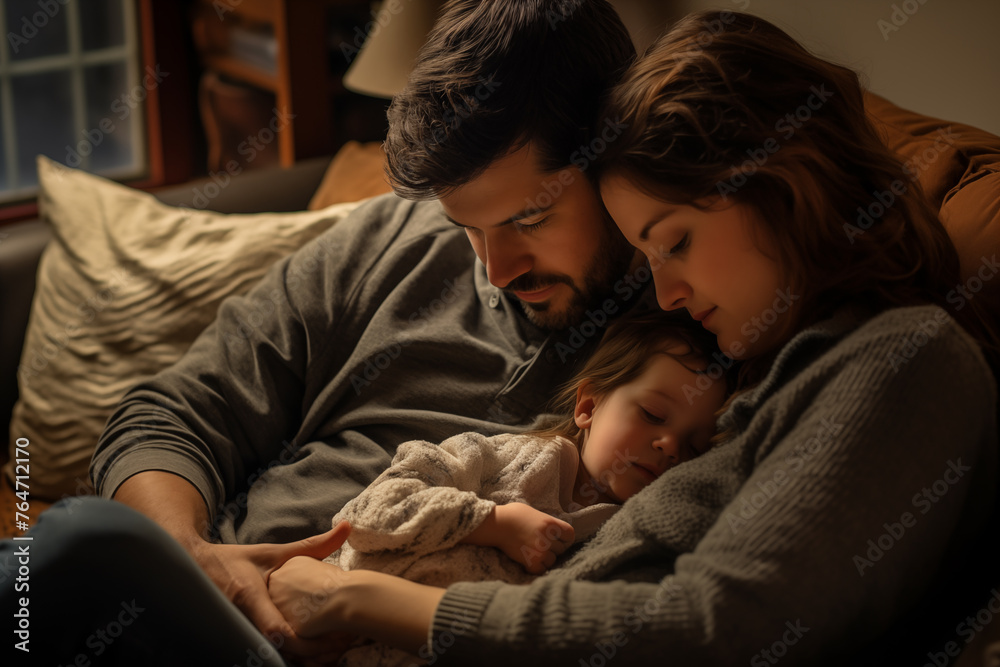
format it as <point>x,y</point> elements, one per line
<point>958,167</point>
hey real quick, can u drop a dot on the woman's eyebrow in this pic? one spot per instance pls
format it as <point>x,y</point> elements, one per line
<point>660,216</point>
<point>644,233</point>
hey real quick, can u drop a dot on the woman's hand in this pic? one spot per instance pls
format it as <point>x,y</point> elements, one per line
<point>531,537</point>
<point>239,570</point>
<point>321,600</point>
<point>305,590</point>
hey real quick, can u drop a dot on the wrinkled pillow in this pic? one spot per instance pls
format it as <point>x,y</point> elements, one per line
<point>124,287</point>
<point>958,167</point>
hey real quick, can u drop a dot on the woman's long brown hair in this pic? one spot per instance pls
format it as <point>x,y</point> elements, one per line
<point>726,106</point>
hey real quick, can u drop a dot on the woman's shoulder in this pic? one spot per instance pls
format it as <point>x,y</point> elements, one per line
<point>924,345</point>
<point>901,335</point>
<point>911,363</point>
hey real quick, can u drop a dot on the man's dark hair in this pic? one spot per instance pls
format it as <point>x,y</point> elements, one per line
<point>496,75</point>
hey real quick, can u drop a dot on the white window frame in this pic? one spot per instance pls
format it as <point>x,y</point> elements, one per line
<point>73,61</point>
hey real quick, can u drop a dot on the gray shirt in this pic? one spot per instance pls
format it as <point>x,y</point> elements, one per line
<point>383,329</point>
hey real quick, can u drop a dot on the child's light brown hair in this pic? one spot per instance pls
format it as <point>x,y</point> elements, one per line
<point>624,353</point>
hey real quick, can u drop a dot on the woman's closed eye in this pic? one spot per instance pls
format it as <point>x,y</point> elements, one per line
<point>680,247</point>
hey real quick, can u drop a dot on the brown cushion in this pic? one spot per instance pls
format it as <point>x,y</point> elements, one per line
<point>356,172</point>
<point>958,167</point>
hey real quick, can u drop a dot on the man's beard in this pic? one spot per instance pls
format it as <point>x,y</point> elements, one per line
<point>611,262</point>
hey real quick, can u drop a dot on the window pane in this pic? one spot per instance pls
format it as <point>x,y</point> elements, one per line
<point>112,107</point>
<point>44,121</point>
<point>101,24</point>
<point>33,32</point>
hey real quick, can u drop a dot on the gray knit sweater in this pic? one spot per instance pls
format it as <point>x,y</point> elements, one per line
<point>800,539</point>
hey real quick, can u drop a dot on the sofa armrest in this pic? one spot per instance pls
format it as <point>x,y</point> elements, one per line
<point>21,247</point>
<point>21,244</point>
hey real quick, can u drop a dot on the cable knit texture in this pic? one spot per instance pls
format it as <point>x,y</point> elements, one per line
<point>811,528</point>
<point>410,521</point>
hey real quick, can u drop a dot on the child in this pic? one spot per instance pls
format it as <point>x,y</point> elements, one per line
<point>478,508</point>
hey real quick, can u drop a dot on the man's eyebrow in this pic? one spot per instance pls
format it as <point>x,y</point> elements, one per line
<point>529,212</point>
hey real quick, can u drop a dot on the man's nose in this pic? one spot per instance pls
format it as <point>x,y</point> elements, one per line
<point>507,257</point>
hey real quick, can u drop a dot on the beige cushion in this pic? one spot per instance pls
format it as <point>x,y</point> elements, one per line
<point>123,289</point>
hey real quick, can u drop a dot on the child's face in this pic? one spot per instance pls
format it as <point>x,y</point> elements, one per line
<point>708,261</point>
<point>639,430</point>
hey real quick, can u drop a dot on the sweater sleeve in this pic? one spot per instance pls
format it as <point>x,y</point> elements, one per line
<point>426,501</point>
<point>841,496</point>
<point>232,404</point>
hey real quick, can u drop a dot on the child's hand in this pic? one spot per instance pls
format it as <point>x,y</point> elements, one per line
<point>531,537</point>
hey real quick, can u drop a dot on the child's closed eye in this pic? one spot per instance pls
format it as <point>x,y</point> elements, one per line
<point>652,417</point>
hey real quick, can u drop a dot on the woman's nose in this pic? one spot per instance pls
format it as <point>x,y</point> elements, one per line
<point>671,293</point>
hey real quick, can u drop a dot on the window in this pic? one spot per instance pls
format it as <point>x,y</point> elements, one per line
<point>71,87</point>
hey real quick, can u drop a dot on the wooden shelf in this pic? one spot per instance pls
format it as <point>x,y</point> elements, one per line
<point>302,83</point>
<point>242,71</point>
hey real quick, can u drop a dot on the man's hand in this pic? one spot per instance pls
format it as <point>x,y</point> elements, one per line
<point>240,571</point>
<point>531,537</point>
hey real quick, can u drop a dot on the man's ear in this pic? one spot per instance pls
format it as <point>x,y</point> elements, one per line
<point>583,415</point>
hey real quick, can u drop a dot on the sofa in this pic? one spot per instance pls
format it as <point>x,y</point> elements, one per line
<point>957,166</point>
<point>354,173</point>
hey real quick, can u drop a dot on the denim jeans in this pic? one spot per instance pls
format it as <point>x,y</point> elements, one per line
<point>98,583</point>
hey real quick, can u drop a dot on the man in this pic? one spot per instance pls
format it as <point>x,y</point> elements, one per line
<point>386,328</point>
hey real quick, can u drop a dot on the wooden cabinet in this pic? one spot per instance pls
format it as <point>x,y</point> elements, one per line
<point>284,49</point>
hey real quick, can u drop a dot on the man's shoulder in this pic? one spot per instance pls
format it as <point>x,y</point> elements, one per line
<point>394,214</point>
<point>388,232</point>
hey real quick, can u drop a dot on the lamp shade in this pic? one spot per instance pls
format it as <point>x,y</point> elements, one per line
<point>401,26</point>
<point>394,36</point>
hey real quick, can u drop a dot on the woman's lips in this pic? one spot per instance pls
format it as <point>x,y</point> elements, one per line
<point>703,315</point>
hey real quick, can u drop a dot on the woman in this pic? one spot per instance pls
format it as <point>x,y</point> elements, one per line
<point>862,424</point>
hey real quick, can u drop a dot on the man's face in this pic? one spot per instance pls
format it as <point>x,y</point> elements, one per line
<point>544,237</point>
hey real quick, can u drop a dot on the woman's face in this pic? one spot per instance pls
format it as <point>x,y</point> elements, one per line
<point>710,262</point>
